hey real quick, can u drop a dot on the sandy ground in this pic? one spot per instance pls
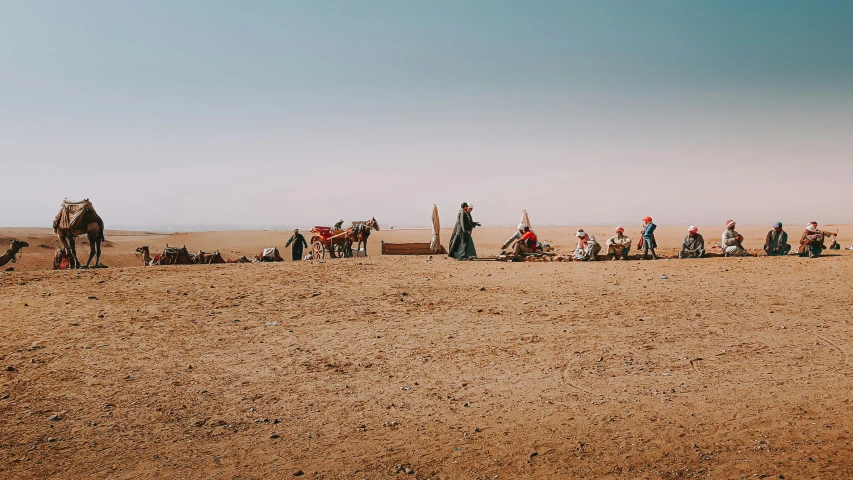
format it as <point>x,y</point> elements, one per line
<point>364,368</point>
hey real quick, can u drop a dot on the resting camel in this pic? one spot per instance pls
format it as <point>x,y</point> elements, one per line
<point>175,256</point>
<point>358,234</point>
<point>146,256</point>
<point>205,258</point>
<point>9,256</point>
<point>87,222</point>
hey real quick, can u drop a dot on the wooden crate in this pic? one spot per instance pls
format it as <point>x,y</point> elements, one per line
<point>409,249</point>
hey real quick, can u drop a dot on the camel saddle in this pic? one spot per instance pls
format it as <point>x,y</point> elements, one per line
<point>70,216</point>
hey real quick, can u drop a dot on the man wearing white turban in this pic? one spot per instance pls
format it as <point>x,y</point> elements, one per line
<point>733,242</point>
<point>518,233</point>
<point>811,242</point>
<point>588,248</point>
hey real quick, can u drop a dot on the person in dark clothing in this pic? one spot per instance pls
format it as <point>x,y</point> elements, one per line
<point>461,245</point>
<point>298,242</point>
<point>648,242</point>
<point>776,242</point>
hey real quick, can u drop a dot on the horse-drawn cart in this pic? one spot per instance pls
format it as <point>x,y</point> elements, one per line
<point>325,239</point>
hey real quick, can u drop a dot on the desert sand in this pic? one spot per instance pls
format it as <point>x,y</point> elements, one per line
<point>409,367</point>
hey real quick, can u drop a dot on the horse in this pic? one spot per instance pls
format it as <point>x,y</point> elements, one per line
<point>358,234</point>
<point>91,224</point>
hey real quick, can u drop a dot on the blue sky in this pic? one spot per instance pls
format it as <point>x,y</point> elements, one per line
<point>298,113</point>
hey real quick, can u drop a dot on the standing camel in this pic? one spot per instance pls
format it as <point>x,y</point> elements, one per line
<point>77,218</point>
<point>358,234</point>
<point>9,256</point>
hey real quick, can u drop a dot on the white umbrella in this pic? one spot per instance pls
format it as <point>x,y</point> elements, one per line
<point>435,244</point>
<point>525,219</point>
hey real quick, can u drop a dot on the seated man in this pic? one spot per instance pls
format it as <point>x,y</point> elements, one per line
<point>732,242</point>
<point>518,233</point>
<point>693,245</point>
<point>811,242</point>
<point>588,248</point>
<point>524,244</point>
<point>619,245</point>
<point>777,241</point>
<point>339,225</point>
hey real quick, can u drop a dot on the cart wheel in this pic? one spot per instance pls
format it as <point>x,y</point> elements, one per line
<point>319,251</point>
<point>339,250</point>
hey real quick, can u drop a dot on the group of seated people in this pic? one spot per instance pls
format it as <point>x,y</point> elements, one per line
<point>812,244</point>
<point>776,243</point>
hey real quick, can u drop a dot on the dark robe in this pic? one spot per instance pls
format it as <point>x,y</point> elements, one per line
<point>461,244</point>
<point>692,247</point>
<point>776,243</point>
<point>298,242</point>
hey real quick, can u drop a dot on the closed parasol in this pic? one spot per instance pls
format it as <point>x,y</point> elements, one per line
<point>525,219</point>
<point>435,244</point>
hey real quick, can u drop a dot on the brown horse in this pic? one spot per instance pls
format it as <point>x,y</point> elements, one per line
<point>10,254</point>
<point>86,221</point>
<point>358,234</point>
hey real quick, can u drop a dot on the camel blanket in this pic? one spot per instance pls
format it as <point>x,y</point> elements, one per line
<point>71,215</point>
<point>270,255</point>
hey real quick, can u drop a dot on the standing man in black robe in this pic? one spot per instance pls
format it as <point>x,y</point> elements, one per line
<point>298,242</point>
<point>461,245</point>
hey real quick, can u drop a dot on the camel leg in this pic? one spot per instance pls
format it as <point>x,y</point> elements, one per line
<point>98,252</point>
<point>92,243</point>
<point>75,263</point>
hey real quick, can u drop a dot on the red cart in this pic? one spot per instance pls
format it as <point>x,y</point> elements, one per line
<point>325,239</point>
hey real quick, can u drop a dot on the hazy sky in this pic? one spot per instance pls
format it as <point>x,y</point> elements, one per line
<point>266,113</point>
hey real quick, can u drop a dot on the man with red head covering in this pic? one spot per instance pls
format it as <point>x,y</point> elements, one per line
<point>693,245</point>
<point>649,242</point>
<point>619,245</point>
<point>732,242</point>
